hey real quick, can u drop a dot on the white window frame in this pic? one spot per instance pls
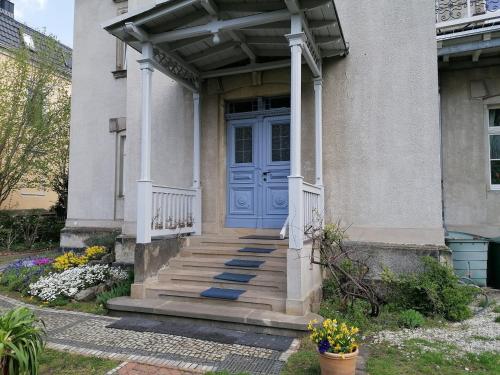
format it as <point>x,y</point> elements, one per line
<point>489,132</point>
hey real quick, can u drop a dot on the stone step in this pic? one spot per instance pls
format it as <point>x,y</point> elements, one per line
<point>185,293</point>
<point>262,283</point>
<point>278,255</point>
<point>270,268</point>
<point>230,241</point>
<point>231,317</point>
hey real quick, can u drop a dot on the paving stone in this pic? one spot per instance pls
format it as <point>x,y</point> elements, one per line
<point>93,335</point>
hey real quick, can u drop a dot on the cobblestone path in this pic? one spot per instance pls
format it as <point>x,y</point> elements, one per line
<point>88,334</point>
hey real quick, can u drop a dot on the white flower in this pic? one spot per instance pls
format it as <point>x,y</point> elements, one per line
<point>70,282</point>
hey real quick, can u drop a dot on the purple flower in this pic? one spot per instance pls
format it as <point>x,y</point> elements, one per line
<point>323,346</point>
<point>42,261</point>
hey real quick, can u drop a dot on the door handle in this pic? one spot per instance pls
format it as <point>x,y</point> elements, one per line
<point>264,175</point>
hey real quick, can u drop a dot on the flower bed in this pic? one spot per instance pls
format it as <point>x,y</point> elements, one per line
<point>68,283</point>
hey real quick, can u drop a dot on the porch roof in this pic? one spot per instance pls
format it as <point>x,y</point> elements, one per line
<point>198,39</point>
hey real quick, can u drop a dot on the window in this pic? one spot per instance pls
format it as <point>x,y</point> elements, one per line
<point>28,41</point>
<point>243,145</point>
<point>280,142</point>
<point>494,147</point>
<point>121,165</point>
<point>121,53</point>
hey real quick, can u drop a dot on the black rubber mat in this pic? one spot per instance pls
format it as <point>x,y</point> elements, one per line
<point>205,332</point>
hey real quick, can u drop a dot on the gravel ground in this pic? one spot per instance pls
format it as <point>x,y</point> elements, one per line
<point>479,334</point>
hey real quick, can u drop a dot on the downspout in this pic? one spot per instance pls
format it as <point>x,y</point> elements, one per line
<point>441,153</point>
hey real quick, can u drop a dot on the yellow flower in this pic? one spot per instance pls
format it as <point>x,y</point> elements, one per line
<point>95,251</point>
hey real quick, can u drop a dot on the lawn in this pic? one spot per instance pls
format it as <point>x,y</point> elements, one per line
<point>416,358</point>
<point>419,357</point>
<point>60,363</point>
<point>9,257</point>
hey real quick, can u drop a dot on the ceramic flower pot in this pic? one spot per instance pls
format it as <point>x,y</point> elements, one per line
<point>338,364</point>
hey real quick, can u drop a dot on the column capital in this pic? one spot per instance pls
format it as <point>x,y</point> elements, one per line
<point>146,64</point>
<point>196,96</point>
<point>297,39</point>
<point>318,81</point>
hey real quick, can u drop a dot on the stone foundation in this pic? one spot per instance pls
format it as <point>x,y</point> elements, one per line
<point>400,259</point>
<point>150,258</point>
<point>74,238</point>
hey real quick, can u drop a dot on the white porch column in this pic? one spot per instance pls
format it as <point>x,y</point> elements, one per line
<point>295,180</point>
<point>196,163</point>
<point>318,129</point>
<point>145,184</point>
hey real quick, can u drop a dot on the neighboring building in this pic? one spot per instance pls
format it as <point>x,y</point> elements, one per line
<point>13,35</point>
<point>235,121</point>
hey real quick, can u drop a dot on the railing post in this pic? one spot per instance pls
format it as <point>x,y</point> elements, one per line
<point>295,194</point>
<point>196,164</point>
<point>144,184</point>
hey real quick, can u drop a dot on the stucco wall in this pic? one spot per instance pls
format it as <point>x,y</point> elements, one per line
<point>97,97</point>
<point>381,130</point>
<point>469,203</point>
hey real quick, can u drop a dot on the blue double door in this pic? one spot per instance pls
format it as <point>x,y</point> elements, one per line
<point>258,169</point>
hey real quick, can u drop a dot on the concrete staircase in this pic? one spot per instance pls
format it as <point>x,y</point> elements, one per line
<point>175,294</point>
<point>192,272</point>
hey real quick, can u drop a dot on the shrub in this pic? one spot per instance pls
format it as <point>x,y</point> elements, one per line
<point>436,290</point>
<point>70,282</point>
<point>411,319</point>
<point>69,260</point>
<point>95,252</point>
<point>21,342</point>
<point>103,239</point>
<point>119,290</point>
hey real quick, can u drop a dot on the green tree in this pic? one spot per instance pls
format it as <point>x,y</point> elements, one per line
<point>34,117</point>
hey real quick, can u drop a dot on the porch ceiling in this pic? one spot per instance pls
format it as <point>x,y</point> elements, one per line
<point>198,39</point>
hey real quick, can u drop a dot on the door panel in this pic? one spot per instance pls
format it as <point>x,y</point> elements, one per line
<point>258,170</point>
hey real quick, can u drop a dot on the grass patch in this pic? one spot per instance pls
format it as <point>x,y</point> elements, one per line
<point>357,315</point>
<point>60,363</point>
<point>497,309</point>
<point>497,319</point>
<point>87,307</point>
<point>304,362</point>
<point>420,357</point>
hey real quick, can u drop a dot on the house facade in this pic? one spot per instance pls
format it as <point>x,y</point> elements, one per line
<point>237,124</point>
<point>14,35</point>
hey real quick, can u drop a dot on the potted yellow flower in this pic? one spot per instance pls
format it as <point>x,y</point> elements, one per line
<point>337,346</point>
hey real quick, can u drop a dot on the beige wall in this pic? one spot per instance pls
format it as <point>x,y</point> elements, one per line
<point>381,132</point>
<point>470,205</point>
<point>97,97</point>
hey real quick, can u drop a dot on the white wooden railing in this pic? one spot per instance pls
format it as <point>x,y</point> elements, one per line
<point>312,205</point>
<point>175,210</point>
<point>451,13</point>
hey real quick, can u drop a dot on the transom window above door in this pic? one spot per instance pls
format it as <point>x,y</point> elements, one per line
<point>257,104</point>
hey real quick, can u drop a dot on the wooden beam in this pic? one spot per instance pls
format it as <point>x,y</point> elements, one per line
<point>267,40</point>
<point>469,47</point>
<point>222,25</point>
<point>209,52</point>
<point>322,24</point>
<point>163,12</point>
<point>210,7</point>
<point>246,69</point>
<point>227,61</point>
<point>237,36</point>
<point>187,42</point>
<point>256,6</point>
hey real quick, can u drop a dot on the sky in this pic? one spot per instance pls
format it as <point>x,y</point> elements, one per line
<point>53,17</point>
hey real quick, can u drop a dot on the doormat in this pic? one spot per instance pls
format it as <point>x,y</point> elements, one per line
<point>244,263</point>
<point>204,331</point>
<point>237,277</point>
<point>256,250</point>
<point>257,237</point>
<point>219,293</point>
